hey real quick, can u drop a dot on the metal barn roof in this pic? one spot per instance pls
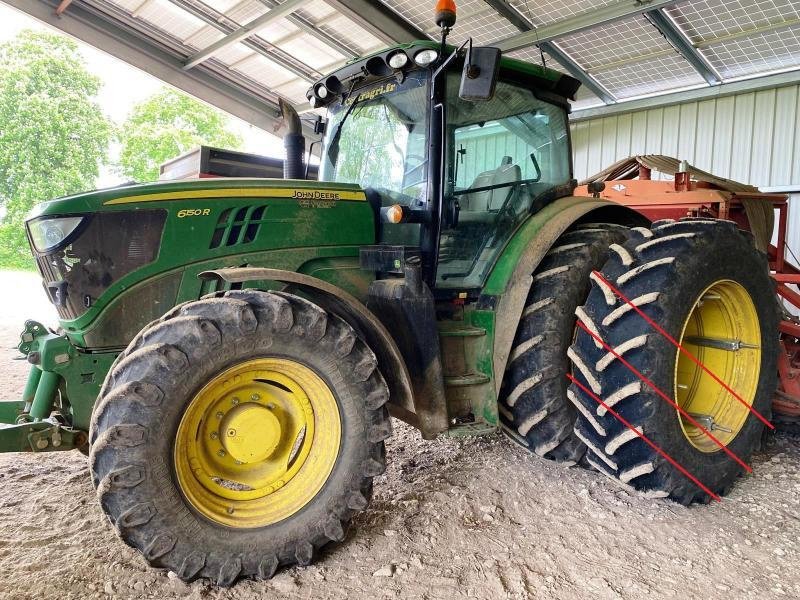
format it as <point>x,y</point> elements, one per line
<point>243,54</point>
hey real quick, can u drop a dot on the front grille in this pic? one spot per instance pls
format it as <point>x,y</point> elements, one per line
<point>237,226</point>
<point>50,275</point>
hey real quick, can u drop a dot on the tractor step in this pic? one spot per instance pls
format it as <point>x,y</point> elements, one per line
<point>462,332</point>
<point>466,380</point>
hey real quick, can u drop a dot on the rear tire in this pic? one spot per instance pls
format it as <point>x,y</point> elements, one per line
<point>144,483</point>
<point>534,408</point>
<point>703,282</point>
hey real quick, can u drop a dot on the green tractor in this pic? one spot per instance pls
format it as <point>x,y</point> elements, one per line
<point>230,350</point>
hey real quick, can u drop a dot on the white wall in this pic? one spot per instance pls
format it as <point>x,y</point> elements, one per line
<point>750,137</point>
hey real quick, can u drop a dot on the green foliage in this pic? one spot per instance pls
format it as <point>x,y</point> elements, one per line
<point>165,126</point>
<point>53,135</point>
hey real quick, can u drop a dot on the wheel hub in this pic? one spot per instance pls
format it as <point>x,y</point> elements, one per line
<point>722,331</point>
<point>257,442</point>
<point>250,433</point>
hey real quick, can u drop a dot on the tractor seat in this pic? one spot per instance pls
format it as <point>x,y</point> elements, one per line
<point>481,207</point>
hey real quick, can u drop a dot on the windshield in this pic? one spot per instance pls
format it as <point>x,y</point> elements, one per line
<point>378,138</point>
<point>506,156</point>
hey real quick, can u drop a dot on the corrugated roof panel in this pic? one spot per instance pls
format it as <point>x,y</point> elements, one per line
<point>316,10</point>
<point>613,43</point>
<point>264,71</point>
<point>352,34</point>
<point>233,54</point>
<point>759,53</point>
<point>277,31</point>
<point>419,14</point>
<point>706,20</point>
<point>245,11</point>
<point>222,6</point>
<point>163,15</point>
<point>312,52</point>
<point>478,20</point>
<point>648,76</point>
<point>203,37</point>
<point>294,90</point>
<point>545,12</point>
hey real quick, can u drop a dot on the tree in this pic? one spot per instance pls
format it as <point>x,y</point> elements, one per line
<point>53,135</point>
<point>165,126</point>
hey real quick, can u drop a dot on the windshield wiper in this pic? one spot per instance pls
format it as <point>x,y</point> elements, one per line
<point>333,147</point>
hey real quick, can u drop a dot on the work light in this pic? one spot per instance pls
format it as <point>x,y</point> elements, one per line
<point>425,57</point>
<point>398,60</point>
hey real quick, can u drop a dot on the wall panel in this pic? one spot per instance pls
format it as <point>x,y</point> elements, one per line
<point>752,137</point>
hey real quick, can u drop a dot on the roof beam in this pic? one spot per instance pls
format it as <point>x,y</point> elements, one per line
<point>578,73</point>
<point>282,10</point>
<point>588,20</point>
<point>683,45</point>
<point>755,84</point>
<point>97,29</point>
<point>261,47</point>
<point>511,14</point>
<point>314,30</point>
<point>379,20</point>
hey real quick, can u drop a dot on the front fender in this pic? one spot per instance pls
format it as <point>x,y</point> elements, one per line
<point>510,279</point>
<point>339,302</point>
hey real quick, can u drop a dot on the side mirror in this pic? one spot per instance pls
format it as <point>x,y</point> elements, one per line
<point>479,78</point>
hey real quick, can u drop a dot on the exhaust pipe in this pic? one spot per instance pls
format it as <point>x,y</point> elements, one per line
<point>293,143</point>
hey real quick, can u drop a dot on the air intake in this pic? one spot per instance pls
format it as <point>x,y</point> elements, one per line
<point>237,226</point>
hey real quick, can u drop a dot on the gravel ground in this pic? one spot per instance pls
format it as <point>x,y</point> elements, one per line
<point>469,518</point>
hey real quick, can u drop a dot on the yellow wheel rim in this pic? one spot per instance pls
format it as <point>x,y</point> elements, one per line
<point>723,333</point>
<point>257,443</point>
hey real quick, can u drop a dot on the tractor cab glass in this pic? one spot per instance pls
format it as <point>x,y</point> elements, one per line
<point>505,157</point>
<point>377,138</point>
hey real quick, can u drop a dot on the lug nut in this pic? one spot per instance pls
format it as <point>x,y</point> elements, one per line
<point>221,453</point>
<point>214,435</point>
<point>255,397</point>
<point>234,401</point>
<point>220,415</point>
<point>230,510</point>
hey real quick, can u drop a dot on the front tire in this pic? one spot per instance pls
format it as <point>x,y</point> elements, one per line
<point>238,434</point>
<point>705,284</point>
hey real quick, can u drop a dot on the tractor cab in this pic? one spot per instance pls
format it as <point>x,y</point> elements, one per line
<point>455,147</point>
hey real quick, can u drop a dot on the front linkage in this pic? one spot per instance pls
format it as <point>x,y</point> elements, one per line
<point>57,367</point>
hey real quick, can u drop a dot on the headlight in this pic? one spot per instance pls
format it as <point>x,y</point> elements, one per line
<point>398,60</point>
<point>322,91</point>
<point>47,233</point>
<point>425,57</point>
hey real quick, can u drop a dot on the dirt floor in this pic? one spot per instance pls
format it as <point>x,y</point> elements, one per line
<point>471,518</point>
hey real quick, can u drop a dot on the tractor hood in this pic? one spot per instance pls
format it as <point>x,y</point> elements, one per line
<point>176,193</point>
<point>138,249</point>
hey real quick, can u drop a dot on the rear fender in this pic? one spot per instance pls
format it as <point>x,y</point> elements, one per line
<point>339,302</point>
<point>510,280</point>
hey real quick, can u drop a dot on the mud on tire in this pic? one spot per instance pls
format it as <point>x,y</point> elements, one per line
<point>144,397</point>
<point>533,406</point>
<point>664,271</point>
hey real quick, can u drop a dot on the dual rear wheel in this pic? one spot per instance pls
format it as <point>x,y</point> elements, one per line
<point>701,281</point>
